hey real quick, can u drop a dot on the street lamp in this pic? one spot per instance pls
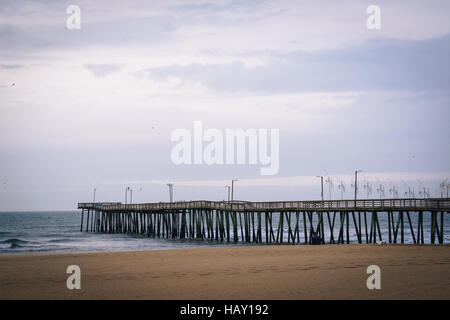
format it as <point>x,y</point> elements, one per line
<point>95,189</point>
<point>227,188</point>
<point>126,194</point>
<point>232,188</point>
<point>394,191</point>
<point>380,190</point>
<point>356,183</point>
<point>321,182</point>
<point>170,185</point>
<point>341,187</point>
<point>329,181</point>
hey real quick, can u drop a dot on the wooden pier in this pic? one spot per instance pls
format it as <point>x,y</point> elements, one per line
<point>292,222</point>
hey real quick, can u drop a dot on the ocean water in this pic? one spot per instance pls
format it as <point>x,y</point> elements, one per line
<point>24,232</point>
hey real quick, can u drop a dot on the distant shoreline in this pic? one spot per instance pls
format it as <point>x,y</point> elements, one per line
<point>223,245</point>
<point>242,272</point>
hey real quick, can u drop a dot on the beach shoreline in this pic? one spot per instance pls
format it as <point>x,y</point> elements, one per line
<point>241,272</point>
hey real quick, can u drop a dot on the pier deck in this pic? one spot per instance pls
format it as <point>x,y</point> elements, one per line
<point>434,204</point>
<point>271,222</point>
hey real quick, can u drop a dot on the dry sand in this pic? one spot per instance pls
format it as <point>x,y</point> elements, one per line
<point>263,272</point>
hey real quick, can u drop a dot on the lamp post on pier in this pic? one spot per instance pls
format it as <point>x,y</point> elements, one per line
<point>356,184</point>
<point>321,183</point>
<point>131,195</point>
<point>126,194</point>
<point>170,185</point>
<point>227,188</point>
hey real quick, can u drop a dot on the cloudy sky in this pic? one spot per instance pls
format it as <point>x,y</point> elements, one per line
<point>95,107</point>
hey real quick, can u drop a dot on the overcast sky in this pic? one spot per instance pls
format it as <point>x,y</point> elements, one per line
<point>95,107</point>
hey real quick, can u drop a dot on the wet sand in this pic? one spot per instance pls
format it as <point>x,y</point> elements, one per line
<point>256,272</point>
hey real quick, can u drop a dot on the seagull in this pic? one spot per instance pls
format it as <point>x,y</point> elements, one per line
<point>13,84</point>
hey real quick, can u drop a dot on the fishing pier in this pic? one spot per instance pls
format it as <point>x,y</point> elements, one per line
<point>291,222</point>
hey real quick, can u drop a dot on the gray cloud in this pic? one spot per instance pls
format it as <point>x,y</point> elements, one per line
<point>41,25</point>
<point>101,70</point>
<point>11,66</point>
<point>375,65</point>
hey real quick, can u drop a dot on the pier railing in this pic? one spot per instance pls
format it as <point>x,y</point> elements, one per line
<point>407,204</point>
<point>317,221</point>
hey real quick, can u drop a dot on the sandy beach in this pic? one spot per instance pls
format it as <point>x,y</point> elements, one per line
<point>263,272</point>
